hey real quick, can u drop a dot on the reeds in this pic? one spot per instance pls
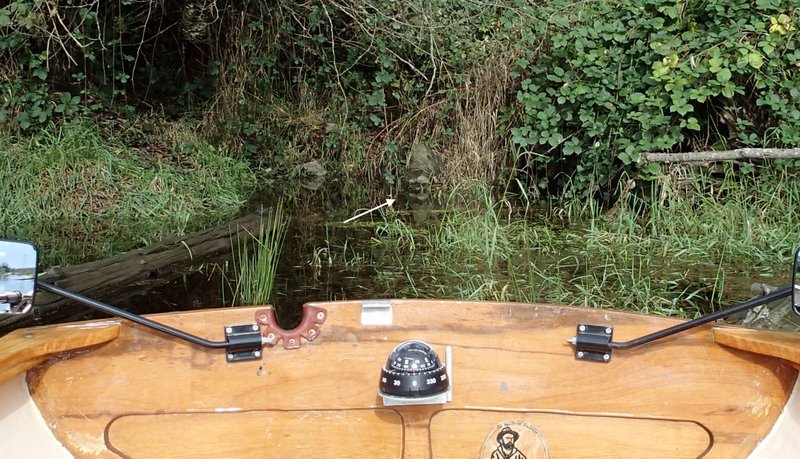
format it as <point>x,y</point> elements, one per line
<point>671,250</point>
<point>255,260</point>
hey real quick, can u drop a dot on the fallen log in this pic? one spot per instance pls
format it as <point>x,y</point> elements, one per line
<point>723,155</point>
<point>117,279</point>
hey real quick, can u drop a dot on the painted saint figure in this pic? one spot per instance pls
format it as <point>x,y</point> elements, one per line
<point>506,448</point>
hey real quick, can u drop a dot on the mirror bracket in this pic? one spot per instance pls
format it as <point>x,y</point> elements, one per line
<point>240,345</point>
<point>593,342</point>
<point>776,295</point>
<point>244,342</point>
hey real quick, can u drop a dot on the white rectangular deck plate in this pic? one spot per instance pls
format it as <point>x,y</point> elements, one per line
<point>376,312</point>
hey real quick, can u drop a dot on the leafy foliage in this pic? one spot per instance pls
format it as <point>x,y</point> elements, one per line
<point>602,84</point>
<point>351,82</point>
<point>568,94</point>
<point>593,87</point>
<point>75,56</point>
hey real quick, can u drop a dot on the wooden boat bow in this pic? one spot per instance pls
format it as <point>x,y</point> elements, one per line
<point>144,395</point>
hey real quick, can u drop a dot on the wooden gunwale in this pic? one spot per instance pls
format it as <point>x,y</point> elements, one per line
<point>25,348</point>
<point>765,342</point>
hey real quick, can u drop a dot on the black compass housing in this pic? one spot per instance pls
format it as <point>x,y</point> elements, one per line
<point>414,370</point>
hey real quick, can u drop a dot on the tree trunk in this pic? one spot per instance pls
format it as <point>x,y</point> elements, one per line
<point>121,277</point>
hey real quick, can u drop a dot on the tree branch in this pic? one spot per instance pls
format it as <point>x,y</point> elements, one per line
<point>723,155</point>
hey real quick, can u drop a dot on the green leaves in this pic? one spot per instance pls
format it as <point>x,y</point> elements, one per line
<point>572,147</point>
<point>40,73</point>
<point>376,99</point>
<point>376,120</point>
<point>637,98</point>
<point>650,171</point>
<point>691,123</point>
<point>554,139</point>
<point>628,156</point>
<point>523,137</point>
<point>68,103</point>
<point>755,60</point>
<point>659,75</point>
<point>781,24</point>
<point>723,75</point>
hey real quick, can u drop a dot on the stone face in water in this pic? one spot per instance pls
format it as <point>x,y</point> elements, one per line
<point>313,175</point>
<point>422,166</point>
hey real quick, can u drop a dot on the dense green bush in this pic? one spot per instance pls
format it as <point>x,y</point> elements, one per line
<point>594,87</point>
<point>60,58</point>
<point>354,83</point>
<point>606,82</point>
<point>568,95</point>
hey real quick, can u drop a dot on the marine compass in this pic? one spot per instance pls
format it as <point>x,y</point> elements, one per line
<point>414,374</point>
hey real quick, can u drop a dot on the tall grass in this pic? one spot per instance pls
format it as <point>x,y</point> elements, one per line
<point>750,217</point>
<point>81,195</point>
<point>683,247</point>
<point>255,260</point>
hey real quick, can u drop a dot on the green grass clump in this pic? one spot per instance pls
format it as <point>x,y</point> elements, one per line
<point>750,217</point>
<point>81,196</point>
<point>255,260</point>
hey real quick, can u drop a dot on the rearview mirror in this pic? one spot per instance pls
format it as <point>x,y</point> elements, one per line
<point>18,265</point>
<point>796,283</point>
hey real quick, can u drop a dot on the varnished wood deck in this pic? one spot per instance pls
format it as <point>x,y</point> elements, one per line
<point>145,395</point>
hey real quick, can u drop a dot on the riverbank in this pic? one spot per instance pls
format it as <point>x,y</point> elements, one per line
<point>684,244</point>
<point>83,191</point>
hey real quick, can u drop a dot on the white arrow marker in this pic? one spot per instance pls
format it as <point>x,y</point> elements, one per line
<point>388,202</point>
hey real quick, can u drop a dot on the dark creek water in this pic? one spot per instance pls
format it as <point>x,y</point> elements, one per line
<point>323,259</point>
<point>318,262</point>
<point>391,253</point>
